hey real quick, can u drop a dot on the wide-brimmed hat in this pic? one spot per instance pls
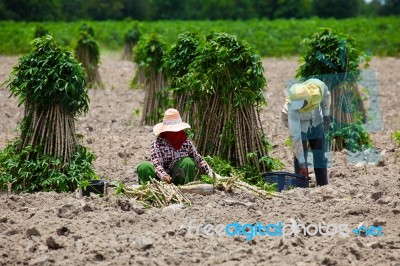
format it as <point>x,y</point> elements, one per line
<point>172,122</point>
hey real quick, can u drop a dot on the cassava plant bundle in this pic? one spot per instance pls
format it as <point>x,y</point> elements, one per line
<point>148,55</point>
<point>131,38</point>
<point>176,64</point>
<point>88,53</point>
<point>40,31</point>
<point>160,194</point>
<point>86,28</point>
<point>335,59</point>
<point>229,183</point>
<point>227,82</point>
<point>155,194</point>
<point>50,84</point>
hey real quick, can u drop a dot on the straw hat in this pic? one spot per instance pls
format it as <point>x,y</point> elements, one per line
<point>172,122</point>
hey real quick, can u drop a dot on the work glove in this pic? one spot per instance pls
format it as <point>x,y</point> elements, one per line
<point>211,174</point>
<point>167,179</point>
<point>303,170</point>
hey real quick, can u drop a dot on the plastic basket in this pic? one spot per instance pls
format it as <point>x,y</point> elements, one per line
<point>286,180</point>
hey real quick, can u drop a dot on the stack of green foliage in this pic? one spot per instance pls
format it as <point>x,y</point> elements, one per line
<point>148,54</point>
<point>335,59</point>
<point>131,38</point>
<point>176,64</point>
<point>226,80</point>
<point>50,83</point>
<point>40,31</point>
<point>88,53</point>
<point>86,28</point>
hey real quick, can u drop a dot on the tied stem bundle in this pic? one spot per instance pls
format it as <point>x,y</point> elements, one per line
<point>157,194</point>
<point>148,54</point>
<point>230,182</point>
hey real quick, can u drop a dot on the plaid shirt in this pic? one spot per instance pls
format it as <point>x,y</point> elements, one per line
<point>164,156</point>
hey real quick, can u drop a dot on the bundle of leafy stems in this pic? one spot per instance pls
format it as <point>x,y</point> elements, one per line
<point>231,132</point>
<point>50,83</point>
<point>335,59</point>
<point>88,53</point>
<point>176,62</point>
<point>155,101</point>
<point>226,83</point>
<point>148,55</point>
<point>131,38</point>
<point>53,129</point>
<point>50,105</point>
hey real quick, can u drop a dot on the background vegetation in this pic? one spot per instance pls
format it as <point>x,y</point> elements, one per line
<point>70,10</point>
<point>281,37</point>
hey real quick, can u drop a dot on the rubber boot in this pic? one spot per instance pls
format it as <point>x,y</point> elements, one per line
<point>321,175</point>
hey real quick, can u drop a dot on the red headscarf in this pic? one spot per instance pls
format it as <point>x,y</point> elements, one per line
<point>175,139</point>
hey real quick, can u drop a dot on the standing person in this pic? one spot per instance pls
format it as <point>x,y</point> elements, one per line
<point>306,113</point>
<point>173,156</point>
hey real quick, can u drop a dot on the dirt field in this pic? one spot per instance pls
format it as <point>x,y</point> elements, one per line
<point>62,229</point>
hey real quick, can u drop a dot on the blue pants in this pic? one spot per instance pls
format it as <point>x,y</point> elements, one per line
<point>315,137</point>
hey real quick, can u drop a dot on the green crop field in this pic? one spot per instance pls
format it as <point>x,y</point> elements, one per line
<point>378,36</point>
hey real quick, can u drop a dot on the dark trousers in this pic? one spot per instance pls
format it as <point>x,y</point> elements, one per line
<point>315,137</point>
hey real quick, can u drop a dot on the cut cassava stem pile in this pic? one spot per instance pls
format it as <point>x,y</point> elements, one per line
<point>228,183</point>
<point>157,194</point>
<point>160,194</point>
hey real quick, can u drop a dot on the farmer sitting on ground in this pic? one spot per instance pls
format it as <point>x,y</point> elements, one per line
<point>306,113</point>
<point>173,155</point>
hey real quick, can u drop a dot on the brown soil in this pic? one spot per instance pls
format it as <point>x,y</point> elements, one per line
<point>63,229</point>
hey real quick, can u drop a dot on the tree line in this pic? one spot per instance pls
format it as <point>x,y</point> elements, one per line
<point>71,10</point>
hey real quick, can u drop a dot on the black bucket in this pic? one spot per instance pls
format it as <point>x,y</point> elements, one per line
<point>286,180</point>
<point>95,186</point>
